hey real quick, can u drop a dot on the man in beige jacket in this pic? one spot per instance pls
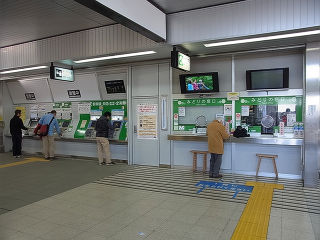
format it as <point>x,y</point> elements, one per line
<point>216,134</point>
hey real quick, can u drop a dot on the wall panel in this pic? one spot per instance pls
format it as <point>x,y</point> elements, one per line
<point>98,41</point>
<point>242,18</point>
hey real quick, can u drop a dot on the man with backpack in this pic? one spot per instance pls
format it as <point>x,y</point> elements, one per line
<point>104,130</point>
<point>16,125</point>
<point>48,138</point>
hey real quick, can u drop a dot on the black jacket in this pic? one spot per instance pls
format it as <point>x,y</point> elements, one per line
<point>16,125</point>
<point>104,128</point>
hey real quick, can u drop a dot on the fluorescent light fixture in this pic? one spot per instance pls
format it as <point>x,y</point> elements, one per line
<point>260,39</point>
<point>115,56</point>
<point>23,69</point>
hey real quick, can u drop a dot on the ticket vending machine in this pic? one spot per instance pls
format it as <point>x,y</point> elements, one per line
<point>32,124</point>
<point>91,132</point>
<point>117,118</point>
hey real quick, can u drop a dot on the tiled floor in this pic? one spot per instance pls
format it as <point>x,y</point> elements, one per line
<point>24,184</point>
<point>122,206</point>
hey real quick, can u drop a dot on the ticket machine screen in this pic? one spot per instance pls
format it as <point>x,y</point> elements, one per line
<point>117,118</point>
<point>117,124</point>
<point>33,123</point>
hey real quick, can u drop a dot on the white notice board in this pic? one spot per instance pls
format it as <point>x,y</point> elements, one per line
<point>147,121</point>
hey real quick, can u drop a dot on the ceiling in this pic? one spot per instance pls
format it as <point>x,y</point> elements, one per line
<point>23,21</point>
<point>172,6</point>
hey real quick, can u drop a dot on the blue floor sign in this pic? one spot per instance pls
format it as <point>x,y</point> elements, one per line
<point>223,186</point>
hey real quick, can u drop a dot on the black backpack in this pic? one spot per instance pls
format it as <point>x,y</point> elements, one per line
<point>240,132</point>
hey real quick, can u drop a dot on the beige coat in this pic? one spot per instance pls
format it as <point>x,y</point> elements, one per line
<point>216,134</point>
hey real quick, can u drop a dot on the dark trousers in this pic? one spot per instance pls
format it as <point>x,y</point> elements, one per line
<point>215,164</point>
<point>16,144</point>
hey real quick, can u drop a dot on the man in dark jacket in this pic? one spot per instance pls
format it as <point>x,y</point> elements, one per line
<point>104,130</point>
<point>16,125</point>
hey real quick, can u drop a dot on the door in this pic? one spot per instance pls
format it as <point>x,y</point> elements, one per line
<point>145,133</point>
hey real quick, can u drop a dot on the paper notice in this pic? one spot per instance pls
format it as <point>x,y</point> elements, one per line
<point>147,121</point>
<point>182,111</point>
<point>245,111</point>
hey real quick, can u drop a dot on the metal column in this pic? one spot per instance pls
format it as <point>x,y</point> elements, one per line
<point>312,116</point>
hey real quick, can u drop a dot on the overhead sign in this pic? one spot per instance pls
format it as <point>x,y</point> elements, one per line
<point>74,94</point>
<point>63,74</point>
<point>233,96</point>
<point>30,96</point>
<point>180,60</point>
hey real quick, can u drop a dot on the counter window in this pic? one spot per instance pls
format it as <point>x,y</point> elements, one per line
<point>268,117</point>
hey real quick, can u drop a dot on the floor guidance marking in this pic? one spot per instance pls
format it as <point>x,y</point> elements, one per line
<point>254,221</point>
<point>223,186</point>
<point>27,160</point>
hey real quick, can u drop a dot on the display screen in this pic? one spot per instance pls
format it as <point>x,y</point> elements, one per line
<point>117,118</point>
<point>115,86</point>
<point>33,124</point>
<point>268,79</point>
<point>94,117</point>
<point>65,124</point>
<point>199,83</point>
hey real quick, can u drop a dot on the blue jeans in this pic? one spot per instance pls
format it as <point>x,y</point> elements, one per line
<point>215,164</point>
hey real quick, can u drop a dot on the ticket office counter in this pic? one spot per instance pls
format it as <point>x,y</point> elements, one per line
<point>240,154</point>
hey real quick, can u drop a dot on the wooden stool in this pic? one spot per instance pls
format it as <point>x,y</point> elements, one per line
<point>195,158</point>
<point>273,157</point>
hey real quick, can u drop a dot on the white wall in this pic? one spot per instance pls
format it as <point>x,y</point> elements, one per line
<point>244,62</point>
<point>243,18</point>
<point>85,82</point>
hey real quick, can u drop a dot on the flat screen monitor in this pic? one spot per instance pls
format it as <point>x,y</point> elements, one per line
<point>115,86</point>
<point>199,83</point>
<point>267,79</point>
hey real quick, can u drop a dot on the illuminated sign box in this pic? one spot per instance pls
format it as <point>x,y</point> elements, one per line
<point>180,60</point>
<point>63,74</point>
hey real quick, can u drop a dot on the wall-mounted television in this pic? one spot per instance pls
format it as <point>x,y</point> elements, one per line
<point>267,79</point>
<point>199,83</point>
<point>115,86</point>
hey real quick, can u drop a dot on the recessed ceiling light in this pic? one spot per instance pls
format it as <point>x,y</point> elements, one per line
<point>115,56</point>
<point>259,39</point>
<point>23,69</point>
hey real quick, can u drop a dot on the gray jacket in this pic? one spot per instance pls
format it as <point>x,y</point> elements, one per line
<point>104,128</point>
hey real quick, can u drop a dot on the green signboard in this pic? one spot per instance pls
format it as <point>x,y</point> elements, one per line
<point>179,104</point>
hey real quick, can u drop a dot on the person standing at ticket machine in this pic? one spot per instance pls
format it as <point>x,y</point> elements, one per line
<point>16,125</point>
<point>104,130</point>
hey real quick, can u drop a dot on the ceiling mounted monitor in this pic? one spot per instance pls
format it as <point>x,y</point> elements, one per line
<point>115,86</point>
<point>199,83</point>
<point>267,79</point>
<point>180,60</point>
<point>62,74</point>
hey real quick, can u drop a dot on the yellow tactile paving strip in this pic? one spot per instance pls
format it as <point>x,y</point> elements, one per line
<point>254,221</point>
<point>27,160</point>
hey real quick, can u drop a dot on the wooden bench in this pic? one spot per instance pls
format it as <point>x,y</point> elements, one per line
<point>268,156</point>
<point>195,159</point>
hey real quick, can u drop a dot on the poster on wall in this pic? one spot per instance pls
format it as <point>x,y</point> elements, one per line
<point>245,110</point>
<point>227,109</point>
<point>23,112</point>
<point>84,108</point>
<point>147,121</point>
